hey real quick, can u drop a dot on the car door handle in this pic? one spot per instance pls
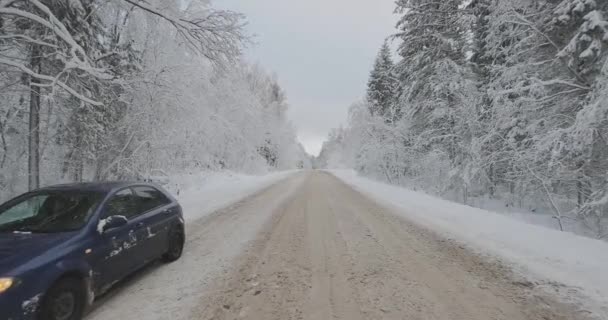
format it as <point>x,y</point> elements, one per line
<point>139,225</point>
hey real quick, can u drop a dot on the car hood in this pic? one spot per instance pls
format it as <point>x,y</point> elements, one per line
<point>19,249</point>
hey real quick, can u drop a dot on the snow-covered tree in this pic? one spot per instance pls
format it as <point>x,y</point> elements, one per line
<point>382,85</point>
<point>438,89</point>
<point>496,98</point>
<point>71,51</point>
<point>123,89</point>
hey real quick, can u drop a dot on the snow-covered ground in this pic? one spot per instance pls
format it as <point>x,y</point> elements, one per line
<point>217,232</point>
<point>203,193</point>
<point>541,254</point>
<point>539,214</point>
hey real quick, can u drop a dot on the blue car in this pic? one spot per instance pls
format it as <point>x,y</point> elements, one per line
<point>62,246</point>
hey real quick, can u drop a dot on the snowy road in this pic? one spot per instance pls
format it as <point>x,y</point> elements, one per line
<point>171,291</point>
<point>311,247</point>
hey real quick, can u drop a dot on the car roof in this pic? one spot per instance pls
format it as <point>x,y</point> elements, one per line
<point>106,187</point>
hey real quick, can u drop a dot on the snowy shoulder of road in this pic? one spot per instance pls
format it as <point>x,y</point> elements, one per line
<point>542,255</point>
<point>204,193</point>
<point>218,227</point>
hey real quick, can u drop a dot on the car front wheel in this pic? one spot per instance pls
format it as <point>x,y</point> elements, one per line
<point>66,300</point>
<point>176,244</point>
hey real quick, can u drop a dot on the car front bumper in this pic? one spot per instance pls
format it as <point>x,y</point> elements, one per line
<point>15,305</point>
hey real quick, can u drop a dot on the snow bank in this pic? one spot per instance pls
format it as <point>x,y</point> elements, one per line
<point>173,291</point>
<point>539,253</point>
<point>536,214</point>
<point>203,193</point>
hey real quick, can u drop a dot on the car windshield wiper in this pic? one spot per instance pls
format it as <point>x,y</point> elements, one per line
<point>26,229</point>
<point>17,225</point>
<point>17,230</point>
<point>22,232</point>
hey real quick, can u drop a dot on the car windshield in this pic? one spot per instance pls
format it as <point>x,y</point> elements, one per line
<point>49,212</point>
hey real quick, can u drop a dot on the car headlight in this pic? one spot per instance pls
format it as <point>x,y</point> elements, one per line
<point>6,283</point>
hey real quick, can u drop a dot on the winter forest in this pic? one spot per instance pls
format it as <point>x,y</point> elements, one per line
<point>127,89</point>
<point>482,100</point>
<point>490,99</point>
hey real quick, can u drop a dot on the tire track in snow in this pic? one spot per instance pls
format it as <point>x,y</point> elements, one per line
<point>332,253</point>
<point>171,291</point>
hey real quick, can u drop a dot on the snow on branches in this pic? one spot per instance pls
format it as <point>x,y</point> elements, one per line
<point>498,99</point>
<point>97,90</point>
<point>589,21</point>
<point>32,23</point>
<point>218,35</point>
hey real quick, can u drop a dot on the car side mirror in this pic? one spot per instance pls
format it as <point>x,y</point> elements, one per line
<point>111,222</point>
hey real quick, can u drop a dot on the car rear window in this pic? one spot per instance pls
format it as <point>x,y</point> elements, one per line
<point>122,203</point>
<point>148,198</point>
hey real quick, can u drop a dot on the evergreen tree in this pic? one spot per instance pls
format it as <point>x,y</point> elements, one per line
<point>382,86</point>
<point>499,98</point>
<point>437,90</point>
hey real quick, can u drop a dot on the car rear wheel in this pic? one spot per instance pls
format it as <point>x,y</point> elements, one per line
<point>65,301</point>
<point>176,244</point>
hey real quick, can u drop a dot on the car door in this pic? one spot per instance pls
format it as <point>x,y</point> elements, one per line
<point>156,217</point>
<point>119,252</point>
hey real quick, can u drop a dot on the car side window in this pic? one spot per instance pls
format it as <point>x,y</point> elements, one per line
<point>148,198</point>
<point>122,203</point>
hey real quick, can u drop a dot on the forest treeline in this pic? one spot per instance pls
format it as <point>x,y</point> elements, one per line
<point>127,89</point>
<point>503,99</point>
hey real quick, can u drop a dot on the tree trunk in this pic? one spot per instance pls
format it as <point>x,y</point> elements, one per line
<point>579,193</point>
<point>34,124</point>
<point>79,170</point>
<point>492,181</point>
<point>583,190</point>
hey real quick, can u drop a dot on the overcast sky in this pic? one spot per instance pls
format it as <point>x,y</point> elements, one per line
<point>322,52</point>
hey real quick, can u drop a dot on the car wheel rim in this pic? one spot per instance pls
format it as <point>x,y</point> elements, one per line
<point>64,306</point>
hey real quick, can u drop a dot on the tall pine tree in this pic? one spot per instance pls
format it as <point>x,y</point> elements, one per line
<point>382,86</point>
<point>437,87</point>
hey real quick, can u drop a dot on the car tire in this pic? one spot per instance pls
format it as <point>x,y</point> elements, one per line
<point>175,246</point>
<point>66,300</point>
